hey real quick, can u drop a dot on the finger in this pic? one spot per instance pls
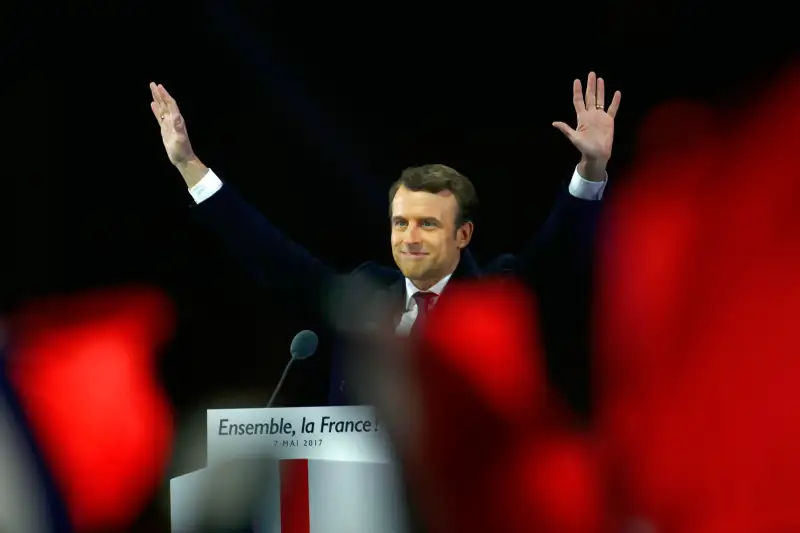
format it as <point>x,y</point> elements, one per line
<point>591,89</point>
<point>156,111</point>
<point>156,95</point>
<point>577,97</point>
<point>172,106</point>
<point>612,109</point>
<point>601,93</point>
<point>564,128</point>
<point>158,100</point>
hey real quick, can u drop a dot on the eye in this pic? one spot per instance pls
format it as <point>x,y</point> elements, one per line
<point>400,223</point>
<point>429,224</point>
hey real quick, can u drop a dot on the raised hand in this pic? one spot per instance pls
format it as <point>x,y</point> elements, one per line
<point>594,134</point>
<point>173,127</point>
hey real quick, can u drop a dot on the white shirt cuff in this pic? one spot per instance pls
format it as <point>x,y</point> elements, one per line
<point>206,187</point>
<point>584,189</point>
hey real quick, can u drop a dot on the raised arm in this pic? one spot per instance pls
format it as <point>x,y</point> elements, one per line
<point>559,259</point>
<point>263,250</point>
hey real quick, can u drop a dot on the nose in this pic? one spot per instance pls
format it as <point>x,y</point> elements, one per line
<point>412,236</point>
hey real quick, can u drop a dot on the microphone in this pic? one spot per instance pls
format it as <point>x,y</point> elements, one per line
<point>303,346</point>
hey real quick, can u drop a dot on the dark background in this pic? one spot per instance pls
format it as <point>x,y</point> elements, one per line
<point>311,111</point>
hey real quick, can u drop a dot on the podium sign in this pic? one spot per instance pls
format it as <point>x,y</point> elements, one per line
<point>329,433</point>
<point>348,481</point>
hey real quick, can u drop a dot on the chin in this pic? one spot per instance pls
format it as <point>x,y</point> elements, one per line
<point>412,271</point>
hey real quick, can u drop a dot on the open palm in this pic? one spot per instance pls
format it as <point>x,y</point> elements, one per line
<point>173,127</point>
<point>594,134</point>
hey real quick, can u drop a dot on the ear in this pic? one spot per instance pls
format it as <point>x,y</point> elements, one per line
<point>464,235</point>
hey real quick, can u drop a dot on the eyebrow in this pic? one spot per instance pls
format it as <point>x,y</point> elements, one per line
<point>422,219</point>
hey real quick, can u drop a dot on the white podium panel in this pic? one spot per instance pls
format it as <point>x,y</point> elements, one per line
<point>309,469</point>
<point>349,497</point>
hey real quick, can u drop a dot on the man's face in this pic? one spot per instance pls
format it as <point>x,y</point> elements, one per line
<point>426,244</point>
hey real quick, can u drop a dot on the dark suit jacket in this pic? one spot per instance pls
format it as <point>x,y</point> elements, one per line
<point>556,262</point>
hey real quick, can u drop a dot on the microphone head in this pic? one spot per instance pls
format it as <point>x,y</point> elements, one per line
<point>304,344</point>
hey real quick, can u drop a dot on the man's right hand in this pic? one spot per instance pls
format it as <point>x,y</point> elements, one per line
<point>174,135</point>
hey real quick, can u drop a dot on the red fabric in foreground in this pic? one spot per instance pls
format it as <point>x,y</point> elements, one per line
<point>84,370</point>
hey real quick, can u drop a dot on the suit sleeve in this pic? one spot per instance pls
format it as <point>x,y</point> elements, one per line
<point>558,263</point>
<point>266,253</point>
<point>563,246</point>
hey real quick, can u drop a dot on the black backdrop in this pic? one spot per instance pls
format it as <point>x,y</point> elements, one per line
<point>311,111</point>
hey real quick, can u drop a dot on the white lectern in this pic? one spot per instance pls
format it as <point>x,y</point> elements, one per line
<point>341,467</point>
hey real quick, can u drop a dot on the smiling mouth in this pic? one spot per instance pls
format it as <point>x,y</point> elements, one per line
<point>415,254</point>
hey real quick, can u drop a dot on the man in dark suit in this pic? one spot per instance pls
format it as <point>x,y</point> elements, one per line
<point>431,210</point>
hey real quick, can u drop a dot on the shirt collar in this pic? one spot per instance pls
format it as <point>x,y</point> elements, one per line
<point>412,289</point>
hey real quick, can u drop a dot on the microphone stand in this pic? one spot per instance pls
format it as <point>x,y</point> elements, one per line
<point>280,383</point>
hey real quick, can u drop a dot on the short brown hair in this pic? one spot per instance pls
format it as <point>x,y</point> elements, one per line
<point>435,179</point>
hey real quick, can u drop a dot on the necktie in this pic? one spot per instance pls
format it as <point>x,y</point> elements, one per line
<point>425,302</point>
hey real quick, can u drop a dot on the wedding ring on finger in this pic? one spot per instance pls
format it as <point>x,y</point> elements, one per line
<point>599,106</point>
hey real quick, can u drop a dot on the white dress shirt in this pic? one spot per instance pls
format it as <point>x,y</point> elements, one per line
<point>578,187</point>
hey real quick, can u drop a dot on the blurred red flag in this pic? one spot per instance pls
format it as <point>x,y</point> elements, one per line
<point>84,370</point>
<point>697,352</point>
<point>497,450</point>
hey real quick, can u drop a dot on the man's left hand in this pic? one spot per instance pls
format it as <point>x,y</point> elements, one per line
<point>594,134</point>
